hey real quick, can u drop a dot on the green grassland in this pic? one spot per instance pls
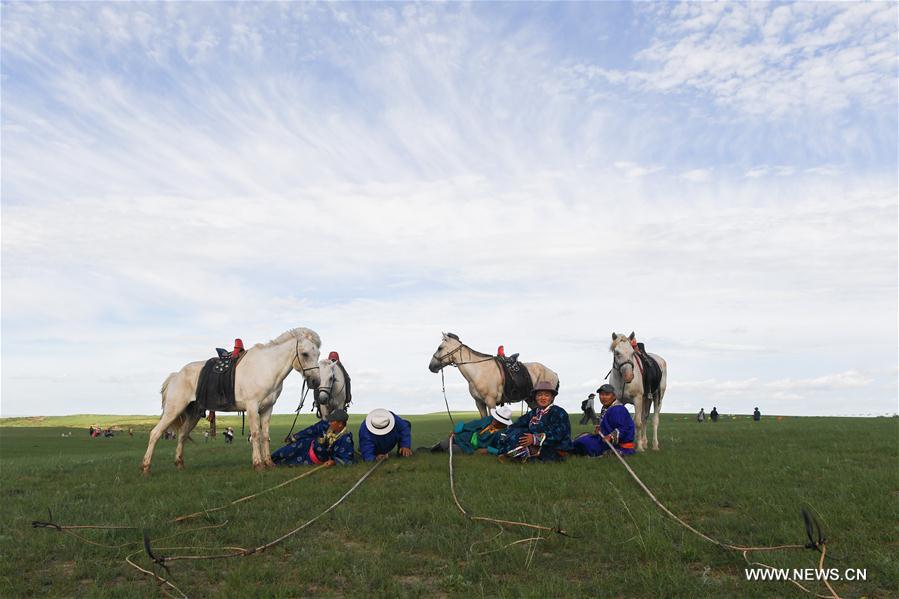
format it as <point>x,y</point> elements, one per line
<point>399,534</point>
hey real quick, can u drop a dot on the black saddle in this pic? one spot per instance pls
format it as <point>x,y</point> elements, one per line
<point>215,389</point>
<point>652,372</point>
<point>517,384</point>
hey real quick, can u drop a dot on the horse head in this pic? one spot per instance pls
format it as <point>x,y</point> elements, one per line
<point>305,360</point>
<point>444,354</point>
<point>623,356</point>
<point>327,371</point>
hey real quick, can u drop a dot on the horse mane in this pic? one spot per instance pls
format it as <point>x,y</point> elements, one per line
<point>619,340</point>
<point>297,333</point>
<point>474,351</point>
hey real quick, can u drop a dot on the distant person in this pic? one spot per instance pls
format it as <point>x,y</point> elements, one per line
<point>229,435</point>
<point>701,416</point>
<point>756,415</point>
<point>326,442</point>
<point>589,412</point>
<point>130,431</point>
<point>616,427</point>
<point>714,414</point>
<point>482,436</point>
<point>381,432</point>
<point>205,436</point>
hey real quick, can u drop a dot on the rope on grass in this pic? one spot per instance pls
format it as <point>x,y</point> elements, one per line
<point>243,552</point>
<point>248,497</point>
<point>452,482</point>
<point>814,543</point>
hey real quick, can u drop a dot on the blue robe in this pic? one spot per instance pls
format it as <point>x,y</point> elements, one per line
<point>471,436</point>
<point>372,445</point>
<point>312,439</point>
<point>551,427</point>
<point>616,417</point>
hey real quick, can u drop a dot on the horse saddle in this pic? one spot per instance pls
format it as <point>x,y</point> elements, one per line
<point>517,384</point>
<point>215,388</point>
<point>652,373</point>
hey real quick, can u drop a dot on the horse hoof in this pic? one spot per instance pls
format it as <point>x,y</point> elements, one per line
<point>270,465</point>
<point>259,467</point>
<point>179,465</point>
<point>145,470</point>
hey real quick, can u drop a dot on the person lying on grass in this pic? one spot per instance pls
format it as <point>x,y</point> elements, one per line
<point>327,442</point>
<point>381,431</point>
<point>616,427</point>
<point>543,433</point>
<point>483,436</point>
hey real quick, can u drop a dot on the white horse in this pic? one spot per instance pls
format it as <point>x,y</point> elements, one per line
<point>258,381</point>
<point>484,376</point>
<point>629,388</point>
<point>333,393</point>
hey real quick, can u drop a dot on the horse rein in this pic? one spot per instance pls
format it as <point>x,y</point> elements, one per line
<point>452,362</point>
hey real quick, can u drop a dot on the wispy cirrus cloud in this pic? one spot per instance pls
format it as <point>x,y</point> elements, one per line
<point>179,174</point>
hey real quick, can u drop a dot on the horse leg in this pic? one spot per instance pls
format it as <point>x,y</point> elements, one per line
<point>639,422</point>
<point>253,421</point>
<point>165,421</point>
<point>647,407</point>
<point>655,422</point>
<point>188,422</point>
<point>266,418</point>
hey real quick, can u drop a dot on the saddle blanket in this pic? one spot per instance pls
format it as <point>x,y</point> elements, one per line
<point>215,389</point>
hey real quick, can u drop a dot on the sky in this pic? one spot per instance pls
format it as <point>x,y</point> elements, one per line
<point>720,178</point>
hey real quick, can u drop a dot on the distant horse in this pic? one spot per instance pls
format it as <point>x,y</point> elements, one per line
<point>258,382</point>
<point>333,393</point>
<point>630,387</point>
<point>485,379</point>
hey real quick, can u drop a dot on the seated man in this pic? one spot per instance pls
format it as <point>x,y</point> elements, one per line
<point>483,436</point>
<point>327,442</point>
<point>381,431</point>
<point>542,433</point>
<point>616,427</point>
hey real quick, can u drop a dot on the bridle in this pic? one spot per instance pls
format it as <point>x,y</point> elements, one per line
<point>300,363</point>
<point>452,362</point>
<point>327,388</point>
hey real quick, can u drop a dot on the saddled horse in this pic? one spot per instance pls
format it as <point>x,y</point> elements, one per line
<point>334,391</point>
<point>258,382</point>
<point>483,373</point>
<point>626,362</point>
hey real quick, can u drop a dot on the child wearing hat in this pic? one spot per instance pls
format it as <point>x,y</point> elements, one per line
<point>327,442</point>
<point>542,433</point>
<point>381,431</point>
<point>486,435</point>
<point>616,426</point>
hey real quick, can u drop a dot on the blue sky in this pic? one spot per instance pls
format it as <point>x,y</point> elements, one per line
<point>719,177</point>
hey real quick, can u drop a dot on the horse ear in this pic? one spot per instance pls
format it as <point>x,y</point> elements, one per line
<point>614,336</point>
<point>631,336</point>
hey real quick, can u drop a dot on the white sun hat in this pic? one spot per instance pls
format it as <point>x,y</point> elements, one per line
<point>379,422</point>
<point>502,414</point>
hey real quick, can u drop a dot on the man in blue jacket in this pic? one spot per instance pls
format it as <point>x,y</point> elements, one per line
<point>543,433</point>
<point>326,442</point>
<point>381,431</point>
<point>616,427</point>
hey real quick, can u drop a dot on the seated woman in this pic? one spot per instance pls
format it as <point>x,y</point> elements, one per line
<point>616,427</point>
<point>327,442</point>
<point>543,433</point>
<point>486,435</point>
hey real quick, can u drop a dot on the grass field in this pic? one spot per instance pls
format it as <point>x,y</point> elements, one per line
<point>400,534</point>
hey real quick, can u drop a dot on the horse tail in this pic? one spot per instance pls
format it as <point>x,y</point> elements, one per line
<point>165,387</point>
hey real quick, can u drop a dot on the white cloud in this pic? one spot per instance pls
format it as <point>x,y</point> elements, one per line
<point>383,193</point>
<point>698,175</point>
